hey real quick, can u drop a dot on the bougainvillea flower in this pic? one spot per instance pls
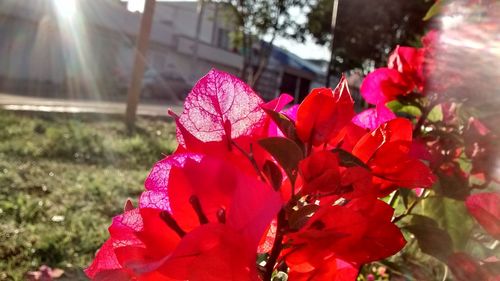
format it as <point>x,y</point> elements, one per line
<point>403,75</point>
<point>373,117</point>
<point>221,107</point>
<point>323,114</point>
<point>147,244</point>
<point>465,268</point>
<point>485,207</point>
<point>278,105</point>
<point>320,172</point>
<point>481,146</point>
<point>386,151</point>
<point>410,62</point>
<point>385,84</point>
<point>332,269</point>
<point>357,232</point>
<point>322,175</point>
<point>220,112</point>
<point>147,240</point>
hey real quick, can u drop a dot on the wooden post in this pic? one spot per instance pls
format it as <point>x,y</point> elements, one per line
<point>140,56</point>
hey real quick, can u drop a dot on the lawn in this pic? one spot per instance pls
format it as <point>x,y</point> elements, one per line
<point>62,178</point>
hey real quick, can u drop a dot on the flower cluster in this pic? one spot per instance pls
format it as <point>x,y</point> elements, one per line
<point>422,86</point>
<point>255,189</point>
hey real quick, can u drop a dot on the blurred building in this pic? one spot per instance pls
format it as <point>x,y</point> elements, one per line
<point>85,48</point>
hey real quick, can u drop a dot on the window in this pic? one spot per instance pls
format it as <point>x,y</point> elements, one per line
<point>223,38</point>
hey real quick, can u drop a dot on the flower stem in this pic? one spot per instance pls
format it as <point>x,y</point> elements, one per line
<point>277,246</point>
<point>411,207</point>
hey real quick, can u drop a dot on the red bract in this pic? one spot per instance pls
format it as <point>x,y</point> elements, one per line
<point>358,232</point>
<point>383,85</point>
<point>322,176</point>
<point>332,269</point>
<point>410,62</point>
<point>386,151</point>
<point>485,207</point>
<point>465,268</point>
<point>138,239</point>
<point>233,189</point>
<point>233,208</point>
<point>320,172</point>
<point>403,75</point>
<point>323,114</point>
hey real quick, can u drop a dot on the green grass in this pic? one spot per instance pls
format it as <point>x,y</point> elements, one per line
<point>62,179</point>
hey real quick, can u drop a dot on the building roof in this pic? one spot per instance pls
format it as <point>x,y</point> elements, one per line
<point>292,60</point>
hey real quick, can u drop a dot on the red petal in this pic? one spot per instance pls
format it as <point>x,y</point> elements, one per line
<point>320,172</point>
<point>105,260</point>
<point>212,252</point>
<point>358,232</point>
<point>383,85</point>
<point>324,113</point>
<point>485,207</point>
<point>465,268</point>
<point>399,129</point>
<point>410,62</point>
<point>333,269</point>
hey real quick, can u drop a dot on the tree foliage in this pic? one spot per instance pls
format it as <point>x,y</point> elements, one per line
<point>259,22</point>
<point>367,30</point>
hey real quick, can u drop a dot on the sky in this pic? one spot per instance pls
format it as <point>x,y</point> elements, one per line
<point>307,50</point>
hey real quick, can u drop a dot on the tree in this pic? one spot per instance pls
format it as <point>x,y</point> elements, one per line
<point>367,30</point>
<point>256,21</point>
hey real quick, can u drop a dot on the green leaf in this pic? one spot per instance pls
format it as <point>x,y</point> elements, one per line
<point>451,215</point>
<point>452,186</point>
<point>404,108</point>
<point>394,105</point>
<point>349,160</point>
<point>436,114</point>
<point>434,10</point>
<point>410,110</point>
<point>286,152</point>
<point>432,240</point>
<point>273,174</point>
<point>285,124</point>
<point>405,195</point>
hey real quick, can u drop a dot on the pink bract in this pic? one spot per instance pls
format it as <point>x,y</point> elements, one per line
<point>221,107</point>
<point>373,117</point>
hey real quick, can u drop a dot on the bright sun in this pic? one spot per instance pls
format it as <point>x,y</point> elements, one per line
<point>65,8</point>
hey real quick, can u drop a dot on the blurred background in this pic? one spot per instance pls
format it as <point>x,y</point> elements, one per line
<point>85,86</point>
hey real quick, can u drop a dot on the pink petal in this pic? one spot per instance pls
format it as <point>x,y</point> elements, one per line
<point>156,183</point>
<point>383,85</point>
<point>373,117</point>
<point>278,103</point>
<point>219,99</point>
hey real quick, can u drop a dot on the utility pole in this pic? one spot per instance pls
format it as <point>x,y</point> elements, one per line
<point>199,21</point>
<point>140,57</point>
<point>332,55</point>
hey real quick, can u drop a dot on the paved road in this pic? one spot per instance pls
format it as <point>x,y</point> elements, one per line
<point>26,103</point>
